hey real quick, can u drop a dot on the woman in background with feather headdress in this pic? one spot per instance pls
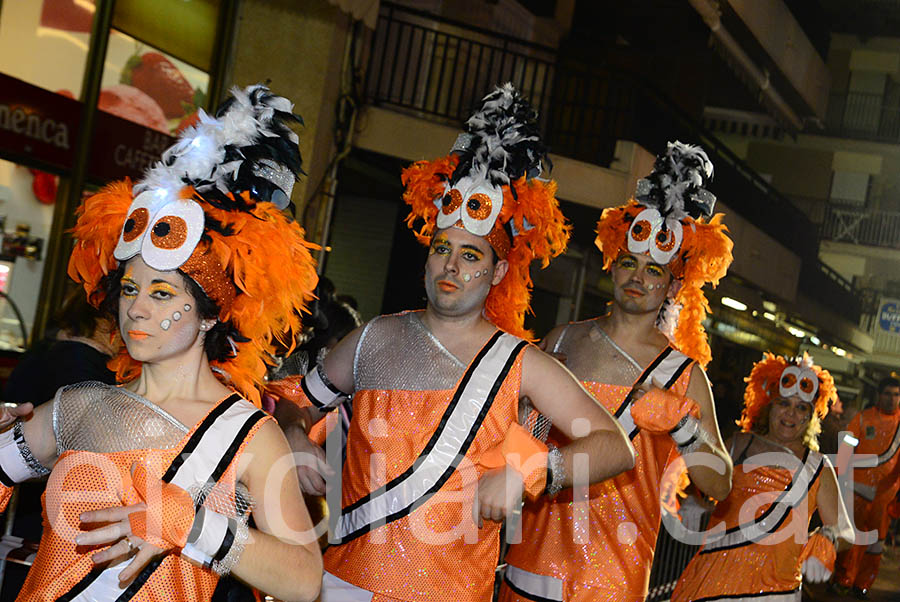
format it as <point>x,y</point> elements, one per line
<point>757,546</point>
<point>152,482</point>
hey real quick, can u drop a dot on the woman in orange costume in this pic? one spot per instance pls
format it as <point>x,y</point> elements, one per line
<point>152,483</point>
<point>757,546</point>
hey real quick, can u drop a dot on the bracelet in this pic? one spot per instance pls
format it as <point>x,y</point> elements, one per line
<point>829,532</point>
<point>320,391</point>
<point>230,560</point>
<point>216,541</point>
<point>556,470</point>
<point>686,432</point>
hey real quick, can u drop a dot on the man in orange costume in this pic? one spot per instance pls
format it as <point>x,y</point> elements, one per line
<point>878,431</point>
<point>435,440</point>
<point>601,548</point>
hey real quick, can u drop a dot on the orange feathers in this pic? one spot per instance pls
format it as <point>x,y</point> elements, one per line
<point>762,387</point>
<point>265,256</point>
<point>541,233</point>
<point>704,257</point>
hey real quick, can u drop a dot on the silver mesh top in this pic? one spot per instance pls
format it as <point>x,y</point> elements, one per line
<point>92,416</point>
<point>397,352</point>
<point>592,356</point>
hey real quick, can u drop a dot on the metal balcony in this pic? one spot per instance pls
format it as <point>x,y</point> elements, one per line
<point>440,69</point>
<point>863,116</point>
<point>860,226</point>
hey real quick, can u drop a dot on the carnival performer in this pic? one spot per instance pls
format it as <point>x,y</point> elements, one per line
<point>875,486</point>
<point>660,250</point>
<point>152,482</point>
<point>757,546</point>
<point>436,456</point>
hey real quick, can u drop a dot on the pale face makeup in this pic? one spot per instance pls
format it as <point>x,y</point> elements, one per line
<point>639,284</point>
<point>788,419</point>
<point>149,302</point>
<point>459,271</point>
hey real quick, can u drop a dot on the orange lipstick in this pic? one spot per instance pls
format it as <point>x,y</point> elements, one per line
<point>138,335</point>
<point>446,286</point>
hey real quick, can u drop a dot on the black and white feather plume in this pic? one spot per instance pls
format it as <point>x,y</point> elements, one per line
<point>502,142</point>
<point>677,185</point>
<point>246,147</point>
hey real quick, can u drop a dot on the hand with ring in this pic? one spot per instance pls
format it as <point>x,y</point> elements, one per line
<point>111,526</point>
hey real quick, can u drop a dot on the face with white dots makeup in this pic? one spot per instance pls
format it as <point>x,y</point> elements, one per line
<point>640,285</point>
<point>460,272</point>
<point>158,318</point>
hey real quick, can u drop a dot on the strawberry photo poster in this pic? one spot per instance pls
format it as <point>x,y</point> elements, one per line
<point>45,43</point>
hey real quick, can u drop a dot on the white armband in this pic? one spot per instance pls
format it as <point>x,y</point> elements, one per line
<point>321,393</point>
<point>215,540</point>
<point>689,435</point>
<point>686,432</point>
<point>17,463</point>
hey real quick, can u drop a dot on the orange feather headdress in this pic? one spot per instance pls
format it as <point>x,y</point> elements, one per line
<point>776,376</point>
<point>490,186</point>
<point>671,220</point>
<point>213,210</point>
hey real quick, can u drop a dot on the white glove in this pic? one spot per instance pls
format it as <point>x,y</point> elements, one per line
<point>814,571</point>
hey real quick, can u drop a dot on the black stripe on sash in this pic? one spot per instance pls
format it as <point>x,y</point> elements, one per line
<point>177,462</point>
<point>80,586</point>
<point>687,362</point>
<point>220,468</point>
<point>4,478</point>
<point>194,441</point>
<point>229,454</point>
<point>437,432</point>
<point>434,439</point>
<point>659,358</point>
<point>742,596</point>
<point>777,503</point>
<point>141,579</point>
<point>521,592</point>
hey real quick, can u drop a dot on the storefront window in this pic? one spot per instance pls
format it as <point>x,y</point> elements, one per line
<point>26,213</point>
<point>154,77</point>
<point>45,42</point>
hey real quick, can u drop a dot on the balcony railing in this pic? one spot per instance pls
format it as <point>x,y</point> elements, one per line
<point>861,227</point>
<point>440,68</point>
<point>863,116</point>
<point>443,68</point>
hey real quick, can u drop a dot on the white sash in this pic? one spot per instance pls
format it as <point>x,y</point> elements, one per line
<point>202,460</point>
<point>446,448</point>
<point>770,520</point>
<point>662,372</point>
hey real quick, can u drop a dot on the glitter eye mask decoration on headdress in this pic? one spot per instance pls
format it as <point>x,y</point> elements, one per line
<point>672,192</point>
<point>213,209</point>
<point>799,379</point>
<point>490,185</point>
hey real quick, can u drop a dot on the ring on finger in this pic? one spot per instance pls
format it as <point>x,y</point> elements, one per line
<point>131,546</point>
